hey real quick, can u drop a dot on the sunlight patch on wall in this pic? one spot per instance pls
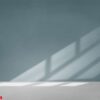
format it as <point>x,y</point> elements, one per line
<point>33,74</point>
<point>89,39</point>
<point>68,63</point>
<point>77,65</point>
<point>91,73</point>
<point>63,56</point>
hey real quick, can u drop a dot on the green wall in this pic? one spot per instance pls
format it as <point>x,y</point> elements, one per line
<point>49,40</point>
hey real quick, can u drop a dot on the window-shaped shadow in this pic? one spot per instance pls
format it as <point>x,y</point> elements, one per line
<point>78,61</point>
<point>35,73</point>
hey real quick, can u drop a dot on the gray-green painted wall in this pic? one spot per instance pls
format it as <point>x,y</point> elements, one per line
<point>49,40</point>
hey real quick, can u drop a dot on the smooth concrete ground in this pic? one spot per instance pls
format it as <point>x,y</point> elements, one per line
<point>89,91</point>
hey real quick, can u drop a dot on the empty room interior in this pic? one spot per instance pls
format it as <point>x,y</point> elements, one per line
<point>50,49</point>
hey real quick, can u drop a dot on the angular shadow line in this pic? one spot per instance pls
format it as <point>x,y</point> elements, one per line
<point>48,66</point>
<point>77,47</point>
<point>85,69</point>
<point>70,61</point>
<point>96,78</point>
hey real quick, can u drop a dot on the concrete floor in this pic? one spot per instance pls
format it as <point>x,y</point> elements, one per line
<point>89,91</point>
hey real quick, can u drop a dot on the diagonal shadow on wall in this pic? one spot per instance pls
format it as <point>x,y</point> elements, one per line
<point>74,77</point>
<point>71,61</point>
<point>79,53</point>
<point>96,78</point>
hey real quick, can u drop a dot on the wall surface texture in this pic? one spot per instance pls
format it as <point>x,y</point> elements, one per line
<point>49,40</point>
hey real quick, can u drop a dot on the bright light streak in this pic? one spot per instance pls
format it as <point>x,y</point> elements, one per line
<point>48,84</point>
<point>15,84</point>
<point>72,84</point>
